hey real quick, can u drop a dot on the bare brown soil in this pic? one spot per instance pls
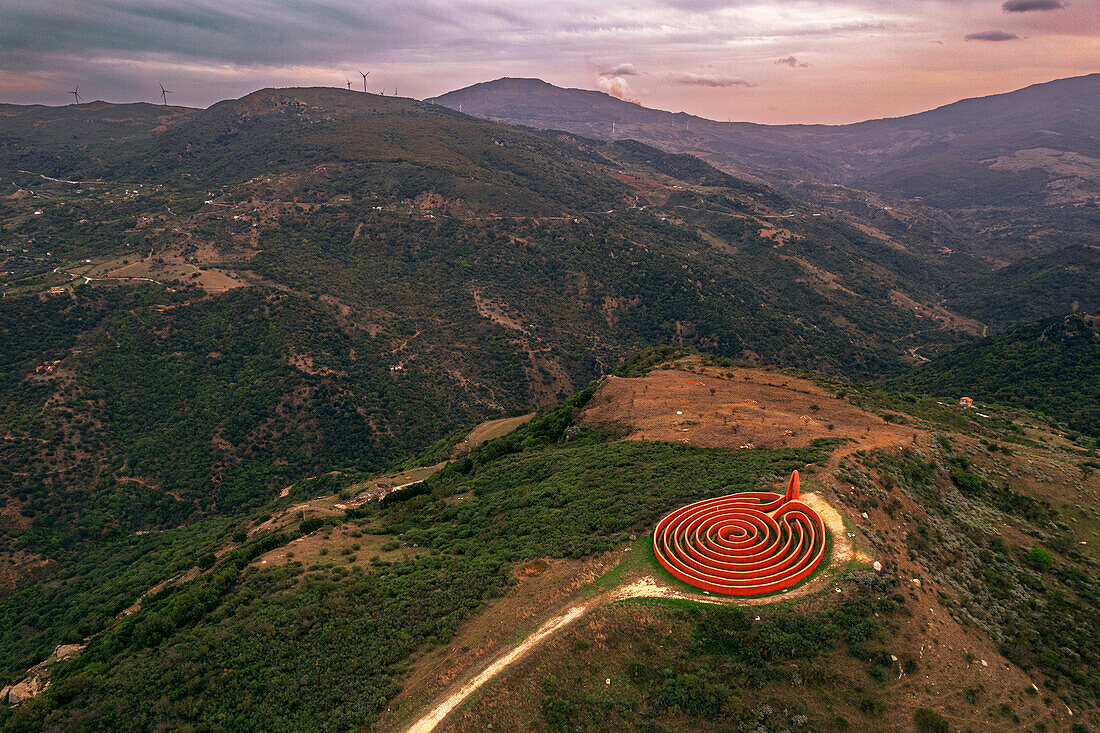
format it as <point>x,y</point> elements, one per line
<point>378,487</point>
<point>10,516</point>
<point>497,313</point>
<point>735,408</point>
<point>337,545</point>
<point>18,567</point>
<point>652,190</point>
<point>324,507</point>
<point>777,234</point>
<point>164,267</point>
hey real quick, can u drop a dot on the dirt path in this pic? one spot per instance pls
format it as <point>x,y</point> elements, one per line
<point>842,543</point>
<point>644,587</point>
<point>89,279</point>
<point>443,709</point>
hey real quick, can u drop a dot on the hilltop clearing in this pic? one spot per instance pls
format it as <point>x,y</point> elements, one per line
<point>738,408</point>
<point>586,636</point>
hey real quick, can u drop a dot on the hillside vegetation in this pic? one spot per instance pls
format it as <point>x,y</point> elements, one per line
<point>1032,289</point>
<point>212,304</point>
<point>280,633</point>
<point>222,332</point>
<point>288,618</point>
<point>1051,367</point>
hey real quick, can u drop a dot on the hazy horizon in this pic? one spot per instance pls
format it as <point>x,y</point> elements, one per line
<point>803,61</point>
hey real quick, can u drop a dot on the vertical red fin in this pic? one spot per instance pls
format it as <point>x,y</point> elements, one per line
<point>792,487</point>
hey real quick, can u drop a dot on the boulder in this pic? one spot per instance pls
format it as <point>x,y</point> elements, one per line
<point>26,689</point>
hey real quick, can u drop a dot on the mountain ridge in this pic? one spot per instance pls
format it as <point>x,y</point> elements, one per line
<point>361,275</point>
<point>536,83</point>
<point>1017,173</point>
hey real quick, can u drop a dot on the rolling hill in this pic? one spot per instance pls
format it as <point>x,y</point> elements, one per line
<point>206,306</point>
<point>324,610</point>
<point>1066,281</point>
<point>223,331</point>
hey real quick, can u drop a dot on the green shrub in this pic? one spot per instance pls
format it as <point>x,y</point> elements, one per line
<point>311,525</point>
<point>1040,559</point>
<point>929,721</point>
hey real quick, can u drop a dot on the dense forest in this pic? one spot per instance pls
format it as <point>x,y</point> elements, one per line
<point>1032,289</point>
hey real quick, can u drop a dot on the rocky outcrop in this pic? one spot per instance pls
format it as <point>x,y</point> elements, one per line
<point>25,690</point>
<point>37,680</point>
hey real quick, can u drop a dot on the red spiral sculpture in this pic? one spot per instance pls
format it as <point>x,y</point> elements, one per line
<point>742,544</point>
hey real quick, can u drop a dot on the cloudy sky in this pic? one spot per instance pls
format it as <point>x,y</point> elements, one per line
<point>757,60</point>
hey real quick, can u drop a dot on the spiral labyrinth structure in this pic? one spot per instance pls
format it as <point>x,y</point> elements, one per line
<point>743,544</point>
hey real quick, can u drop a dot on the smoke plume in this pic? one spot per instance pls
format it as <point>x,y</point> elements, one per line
<point>611,81</point>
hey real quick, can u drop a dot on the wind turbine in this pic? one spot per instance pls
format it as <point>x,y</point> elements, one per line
<point>164,94</point>
<point>76,94</point>
<point>364,80</point>
<point>349,85</point>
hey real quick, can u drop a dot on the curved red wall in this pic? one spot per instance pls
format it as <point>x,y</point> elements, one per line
<point>742,544</point>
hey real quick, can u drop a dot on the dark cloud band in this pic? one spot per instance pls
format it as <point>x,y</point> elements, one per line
<point>791,61</point>
<point>620,70</point>
<point>710,80</point>
<point>991,36</point>
<point>1023,6</point>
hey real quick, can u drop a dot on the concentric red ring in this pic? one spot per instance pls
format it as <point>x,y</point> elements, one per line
<point>742,544</point>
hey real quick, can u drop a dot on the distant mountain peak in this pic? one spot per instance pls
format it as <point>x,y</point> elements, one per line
<point>508,91</point>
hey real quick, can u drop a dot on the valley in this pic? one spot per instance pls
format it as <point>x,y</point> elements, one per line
<point>999,177</point>
<point>331,410</point>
